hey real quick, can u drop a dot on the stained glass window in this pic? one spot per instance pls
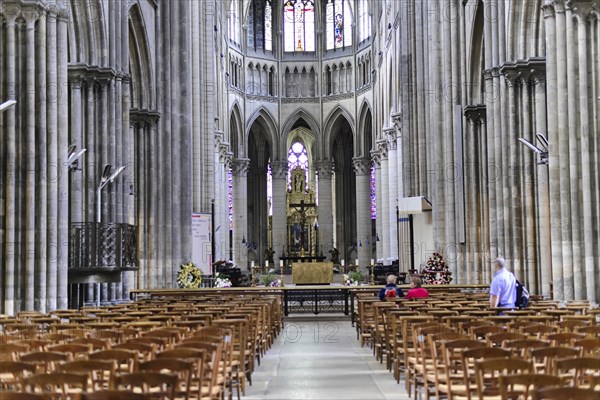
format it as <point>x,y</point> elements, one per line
<point>363,20</point>
<point>269,189</point>
<point>373,195</point>
<point>260,25</point>
<point>268,26</point>
<point>299,25</point>
<point>230,196</point>
<point>297,157</point>
<point>234,22</point>
<point>338,22</point>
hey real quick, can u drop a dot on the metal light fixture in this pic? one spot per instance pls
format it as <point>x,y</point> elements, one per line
<point>7,104</point>
<point>73,158</point>
<point>542,153</point>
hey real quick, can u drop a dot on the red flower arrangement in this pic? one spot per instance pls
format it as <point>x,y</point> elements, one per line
<point>436,271</point>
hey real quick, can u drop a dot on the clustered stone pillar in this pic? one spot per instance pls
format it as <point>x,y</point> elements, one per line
<point>392,184</point>
<point>383,203</point>
<point>325,171</point>
<point>362,170</point>
<point>240,211</point>
<point>279,218</point>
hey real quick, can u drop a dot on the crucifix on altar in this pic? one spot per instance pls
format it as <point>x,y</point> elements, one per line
<point>302,206</point>
<point>301,216</point>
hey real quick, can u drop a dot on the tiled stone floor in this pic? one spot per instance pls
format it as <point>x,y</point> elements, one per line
<point>320,359</point>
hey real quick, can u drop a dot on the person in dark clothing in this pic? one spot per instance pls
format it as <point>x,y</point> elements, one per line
<point>390,290</point>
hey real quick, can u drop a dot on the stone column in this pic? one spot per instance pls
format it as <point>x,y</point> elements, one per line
<point>384,210</point>
<point>392,145</point>
<point>279,219</point>
<point>586,178</point>
<point>63,183</point>
<point>240,211</point>
<point>543,200</point>
<point>30,158</point>
<point>362,171</point>
<point>553,153</point>
<point>52,157</point>
<point>42,187</point>
<point>376,157</point>
<point>11,189</point>
<point>325,171</point>
<point>563,148</point>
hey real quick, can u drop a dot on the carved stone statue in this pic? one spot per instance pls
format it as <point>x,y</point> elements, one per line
<point>269,255</point>
<point>335,256</point>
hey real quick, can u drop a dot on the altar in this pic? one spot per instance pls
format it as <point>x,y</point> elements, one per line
<point>312,273</point>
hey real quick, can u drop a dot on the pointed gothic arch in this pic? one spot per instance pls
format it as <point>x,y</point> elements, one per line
<point>329,132</point>
<point>142,96</point>
<point>289,124</point>
<point>266,121</point>
<point>236,132</point>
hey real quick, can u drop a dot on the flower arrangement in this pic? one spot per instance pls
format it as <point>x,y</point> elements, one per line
<point>189,276</point>
<point>436,271</point>
<point>276,283</point>
<point>353,278</point>
<point>222,281</point>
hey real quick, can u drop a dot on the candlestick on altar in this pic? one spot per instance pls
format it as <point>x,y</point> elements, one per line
<point>281,271</point>
<point>372,275</point>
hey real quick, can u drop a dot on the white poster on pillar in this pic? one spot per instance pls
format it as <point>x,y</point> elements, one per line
<point>201,242</point>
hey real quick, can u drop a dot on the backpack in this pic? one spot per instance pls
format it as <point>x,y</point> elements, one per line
<point>390,293</point>
<point>522,300</point>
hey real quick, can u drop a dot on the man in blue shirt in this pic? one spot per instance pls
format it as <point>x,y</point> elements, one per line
<point>503,289</point>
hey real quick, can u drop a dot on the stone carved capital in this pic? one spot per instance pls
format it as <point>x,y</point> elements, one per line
<point>376,158</point>
<point>361,166</point>
<point>548,11</point>
<point>397,120</point>
<point>475,113</point>
<point>240,166</point>
<point>279,169</point>
<point>382,148</point>
<point>324,169</point>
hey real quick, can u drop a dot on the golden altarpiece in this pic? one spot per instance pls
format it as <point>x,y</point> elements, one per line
<point>302,217</point>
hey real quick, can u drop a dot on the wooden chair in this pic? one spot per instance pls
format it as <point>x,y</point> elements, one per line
<point>580,371</point>
<point>57,384</point>
<point>144,351</point>
<point>12,351</point>
<point>213,382</point>
<point>113,395</point>
<point>523,347</point>
<point>488,372</point>
<point>590,347</point>
<point>523,385</point>
<point>100,373</point>
<point>498,339</point>
<point>93,344</point>
<point>157,385</point>
<point>454,371</point>
<point>45,361</point>
<point>590,331</point>
<point>12,374</point>
<point>125,360</point>
<point>564,338</point>
<point>183,370</point>
<point>196,357</point>
<point>544,357</point>
<point>470,357</point>
<point>565,393</point>
<point>22,396</point>
<point>72,349</point>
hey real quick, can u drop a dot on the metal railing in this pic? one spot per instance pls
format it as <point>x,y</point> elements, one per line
<point>95,245</point>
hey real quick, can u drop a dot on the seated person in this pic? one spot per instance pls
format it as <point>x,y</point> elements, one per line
<point>416,291</point>
<point>390,290</point>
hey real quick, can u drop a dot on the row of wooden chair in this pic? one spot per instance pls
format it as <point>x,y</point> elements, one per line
<point>410,336</point>
<point>203,349</point>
